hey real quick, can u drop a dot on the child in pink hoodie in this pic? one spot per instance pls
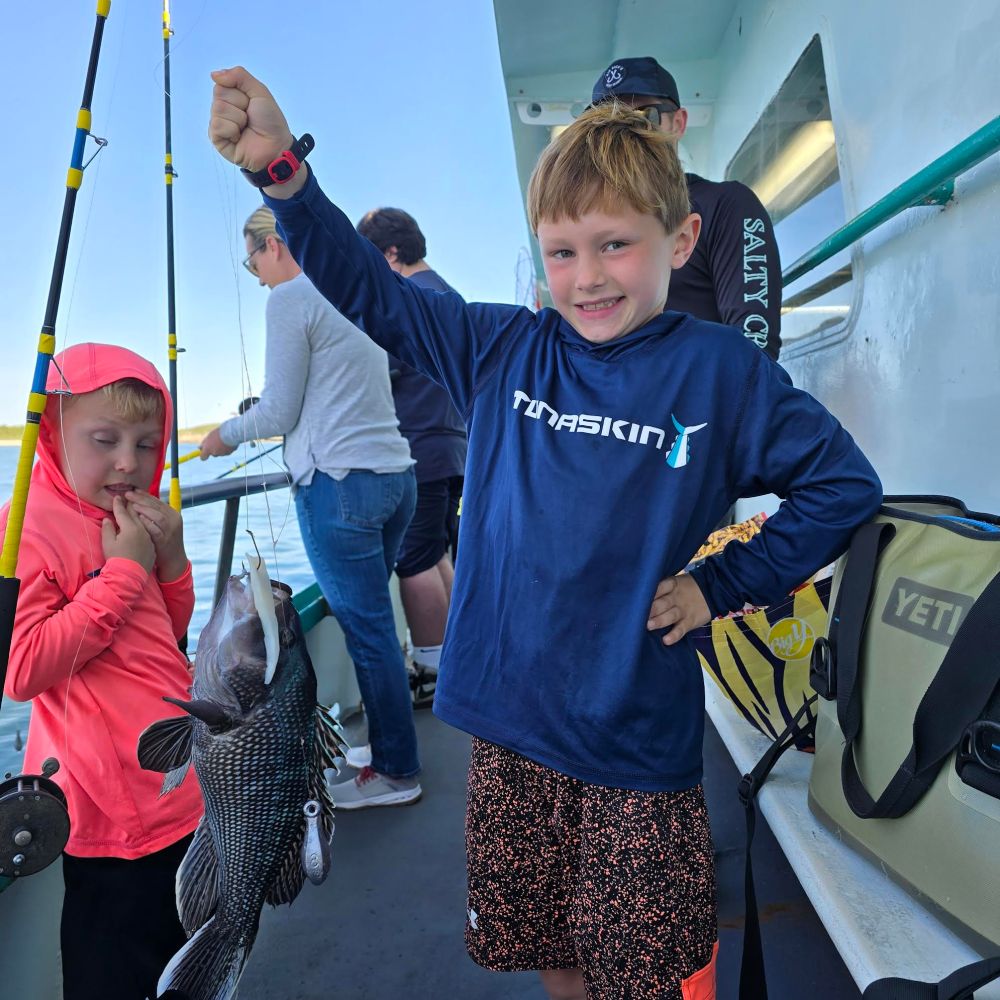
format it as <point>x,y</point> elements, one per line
<point>106,594</point>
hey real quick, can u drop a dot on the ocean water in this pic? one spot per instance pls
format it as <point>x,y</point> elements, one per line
<point>271,518</point>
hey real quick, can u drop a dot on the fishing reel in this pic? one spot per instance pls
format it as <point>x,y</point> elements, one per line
<point>34,822</point>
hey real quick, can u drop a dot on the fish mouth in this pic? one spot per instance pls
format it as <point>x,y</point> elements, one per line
<point>240,650</point>
<point>239,594</point>
<point>253,615</point>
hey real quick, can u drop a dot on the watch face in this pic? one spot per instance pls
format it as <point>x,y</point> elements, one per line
<point>280,171</point>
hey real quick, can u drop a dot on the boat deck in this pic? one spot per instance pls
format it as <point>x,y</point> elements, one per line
<point>389,921</point>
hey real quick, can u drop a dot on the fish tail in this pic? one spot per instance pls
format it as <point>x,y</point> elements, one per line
<point>208,967</point>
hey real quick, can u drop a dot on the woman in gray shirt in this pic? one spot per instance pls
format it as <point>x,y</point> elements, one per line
<point>327,390</point>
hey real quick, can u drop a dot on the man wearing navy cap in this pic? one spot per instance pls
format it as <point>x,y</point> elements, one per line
<point>734,274</point>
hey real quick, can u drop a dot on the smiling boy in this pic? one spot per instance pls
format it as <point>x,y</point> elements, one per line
<point>606,439</point>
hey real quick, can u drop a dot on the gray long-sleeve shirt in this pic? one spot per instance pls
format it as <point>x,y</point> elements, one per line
<point>326,389</point>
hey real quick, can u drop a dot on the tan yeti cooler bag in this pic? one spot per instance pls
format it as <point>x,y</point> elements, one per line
<point>907,765</point>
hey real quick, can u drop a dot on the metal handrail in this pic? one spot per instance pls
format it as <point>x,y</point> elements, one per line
<point>229,489</point>
<point>310,603</point>
<point>933,185</point>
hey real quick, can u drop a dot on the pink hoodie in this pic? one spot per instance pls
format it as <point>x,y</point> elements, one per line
<point>95,644</point>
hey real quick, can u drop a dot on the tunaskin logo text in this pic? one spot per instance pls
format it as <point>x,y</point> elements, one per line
<point>677,454</point>
<point>926,611</point>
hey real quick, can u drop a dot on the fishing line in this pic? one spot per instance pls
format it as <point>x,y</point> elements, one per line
<point>178,40</point>
<point>227,184</point>
<point>102,143</point>
<point>66,340</point>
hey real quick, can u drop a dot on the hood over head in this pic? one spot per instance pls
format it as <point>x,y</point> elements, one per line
<point>80,369</point>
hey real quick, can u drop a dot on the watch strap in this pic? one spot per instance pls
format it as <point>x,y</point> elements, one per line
<point>284,167</point>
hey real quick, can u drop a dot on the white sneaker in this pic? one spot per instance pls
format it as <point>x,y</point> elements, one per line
<point>359,757</point>
<point>370,788</point>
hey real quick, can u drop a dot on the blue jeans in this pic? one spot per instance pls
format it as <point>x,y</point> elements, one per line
<point>352,530</point>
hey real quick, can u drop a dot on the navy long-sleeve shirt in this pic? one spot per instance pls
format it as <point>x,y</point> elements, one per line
<point>427,417</point>
<point>594,471</point>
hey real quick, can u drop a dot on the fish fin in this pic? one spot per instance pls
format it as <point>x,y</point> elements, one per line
<point>319,789</point>
<point>209,966</point>
<point>198,881</point>
<point>175,778</point>
<point>214,716</point>
<point>329,739</point>
<point>288,882</point>
<point>328,752</point>
<point>165,745</point>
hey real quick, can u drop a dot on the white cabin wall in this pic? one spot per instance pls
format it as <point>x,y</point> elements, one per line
<point>916,378</point>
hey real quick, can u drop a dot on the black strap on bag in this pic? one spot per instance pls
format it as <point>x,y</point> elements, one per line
<point>753,979</point>
<point>959,692</point>
<point>960,985</point>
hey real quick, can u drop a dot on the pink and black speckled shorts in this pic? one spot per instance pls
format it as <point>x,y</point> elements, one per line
<point>564,875</point>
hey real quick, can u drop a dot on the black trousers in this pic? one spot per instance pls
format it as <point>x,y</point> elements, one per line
<point>119,924</point>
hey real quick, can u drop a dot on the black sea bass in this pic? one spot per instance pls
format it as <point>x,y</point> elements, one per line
<point>259,745</point>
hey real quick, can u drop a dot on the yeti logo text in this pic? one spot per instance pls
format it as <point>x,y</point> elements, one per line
<point>609,427</point>
<point>678,456</point>
<point>925,611</point>
<point>614,75</point>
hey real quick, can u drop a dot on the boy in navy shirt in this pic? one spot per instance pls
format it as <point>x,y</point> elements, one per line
<point>606,439</point>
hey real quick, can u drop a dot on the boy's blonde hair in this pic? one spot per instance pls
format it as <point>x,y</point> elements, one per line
<point>260,225</point>
<point>610,157</point>
<point>133,400</point>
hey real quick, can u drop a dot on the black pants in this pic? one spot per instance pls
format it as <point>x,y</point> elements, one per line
<point>119,924</point>
<point>433,529</point>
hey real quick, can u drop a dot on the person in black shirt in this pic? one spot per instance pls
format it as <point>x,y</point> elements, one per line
<point>734,274</point>
<point>437,436</point>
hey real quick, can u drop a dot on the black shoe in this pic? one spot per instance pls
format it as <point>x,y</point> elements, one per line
<point>423,680</point>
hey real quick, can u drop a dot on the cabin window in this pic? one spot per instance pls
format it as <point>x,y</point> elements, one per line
<point>790,161</point>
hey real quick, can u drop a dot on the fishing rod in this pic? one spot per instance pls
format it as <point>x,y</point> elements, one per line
<point>9,584</point>
<point>168,175</point>
<point>252,458</point>
<point>34,804</point>
<point>180,461</point>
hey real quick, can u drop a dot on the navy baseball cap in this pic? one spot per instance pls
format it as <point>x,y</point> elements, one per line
<point>642,75</point>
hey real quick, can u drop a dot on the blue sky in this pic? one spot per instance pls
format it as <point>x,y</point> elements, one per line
<point>407,107</point>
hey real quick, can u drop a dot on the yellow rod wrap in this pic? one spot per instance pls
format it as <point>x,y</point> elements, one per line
<point>18,500</point>
<point>103,8</point>
<point>74,178</point>
<point>175,493</point>
<point>169,159</point>
<point>185,458</point>
<point>83,119</point>
<point>47,343</point>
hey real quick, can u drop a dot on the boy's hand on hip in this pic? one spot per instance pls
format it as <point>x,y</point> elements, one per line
<point>678,605</point>
<point>246,125</point>
<point>126,538</point>
<point>166,529</point>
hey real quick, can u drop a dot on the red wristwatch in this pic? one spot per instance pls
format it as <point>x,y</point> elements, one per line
<point>284,167</point>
